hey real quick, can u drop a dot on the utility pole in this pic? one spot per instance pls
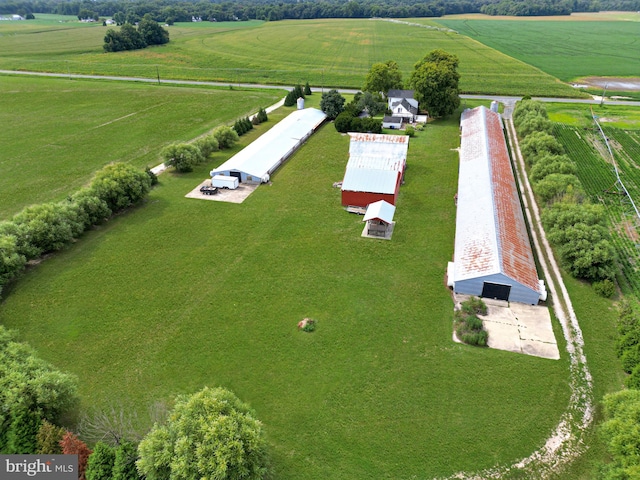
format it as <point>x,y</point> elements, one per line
<point>158,73</point>
<point>604,92</point>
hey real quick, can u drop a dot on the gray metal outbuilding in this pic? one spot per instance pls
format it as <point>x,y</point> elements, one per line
<point>257,161</point>
<point>493,256</point>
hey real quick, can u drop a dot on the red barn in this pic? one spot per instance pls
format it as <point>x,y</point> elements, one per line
<point>375,169</point>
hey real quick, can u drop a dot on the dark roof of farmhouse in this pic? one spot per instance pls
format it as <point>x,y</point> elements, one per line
<point>400,93</point>
<point>491,235</point>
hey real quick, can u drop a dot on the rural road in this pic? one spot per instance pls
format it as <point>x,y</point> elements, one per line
<point>499,98</point>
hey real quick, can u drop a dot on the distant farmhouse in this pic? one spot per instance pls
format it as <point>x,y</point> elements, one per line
<point>404,109</point>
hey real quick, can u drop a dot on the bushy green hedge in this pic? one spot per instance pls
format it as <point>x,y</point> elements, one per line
<point>49,227</point>
<point>574,226</point>
<point>31,390</point>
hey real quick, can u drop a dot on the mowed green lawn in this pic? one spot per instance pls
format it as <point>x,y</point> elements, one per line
<point>57,132</point>
<point>182,293</point>
<point>567,50</point>
<point>323,52</point>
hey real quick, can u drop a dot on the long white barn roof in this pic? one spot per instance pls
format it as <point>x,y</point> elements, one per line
<point>264,154</point>
<point>491,236</point>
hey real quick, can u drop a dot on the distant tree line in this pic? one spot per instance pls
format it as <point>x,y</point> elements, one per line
<point>271,10</point>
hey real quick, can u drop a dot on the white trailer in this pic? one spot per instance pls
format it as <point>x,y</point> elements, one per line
<point>222,181</point>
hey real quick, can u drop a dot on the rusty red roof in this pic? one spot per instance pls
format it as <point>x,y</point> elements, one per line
<point>491,235</point>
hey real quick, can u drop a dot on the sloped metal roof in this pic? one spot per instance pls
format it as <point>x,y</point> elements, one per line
<point>266,152</point>
<point>491,236</point>
<point>378,151</point>
<point>373,181</point>
<point>380,210</point>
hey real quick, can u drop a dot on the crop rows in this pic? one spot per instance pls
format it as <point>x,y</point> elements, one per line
<point>599,181</point>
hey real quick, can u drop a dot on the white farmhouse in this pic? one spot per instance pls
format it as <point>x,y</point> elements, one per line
<point>402,104</point>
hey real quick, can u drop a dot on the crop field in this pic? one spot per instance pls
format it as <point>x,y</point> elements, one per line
<point>57,132</point>
<point>327,53</point>
<point>182,293</point>
<point>599,180</point>
<point>567,50</point>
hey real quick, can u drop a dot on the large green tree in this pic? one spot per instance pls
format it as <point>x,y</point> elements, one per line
<point>210,434</point>
<point>332,103</point>
<point>382,77</point>
<point>435,82</point>
<point>152,32</point>
<point>182,156</point>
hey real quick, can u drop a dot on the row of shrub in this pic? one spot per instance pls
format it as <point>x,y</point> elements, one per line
<point>297,92</point>
<point>243,125</point>
<point>575,226</point>
<point>621,429</point>
<point>184,156</point>
<point>628,342</point>
<point>468,326</point>
<point>48,227</point>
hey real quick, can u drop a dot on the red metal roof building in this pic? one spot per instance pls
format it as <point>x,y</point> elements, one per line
<point>493,256</point>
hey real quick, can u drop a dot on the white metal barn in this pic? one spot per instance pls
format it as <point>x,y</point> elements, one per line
<point>257,161</point>
<point>493,256</point>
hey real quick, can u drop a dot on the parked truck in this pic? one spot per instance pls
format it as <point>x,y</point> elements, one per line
<point>222,181</point>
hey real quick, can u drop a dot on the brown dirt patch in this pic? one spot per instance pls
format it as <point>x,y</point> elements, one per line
<point>617,84</point>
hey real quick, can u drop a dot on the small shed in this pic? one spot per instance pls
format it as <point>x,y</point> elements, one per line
<point>379,220</point>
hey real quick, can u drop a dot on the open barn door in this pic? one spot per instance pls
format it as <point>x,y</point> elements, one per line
<point>496,290</point>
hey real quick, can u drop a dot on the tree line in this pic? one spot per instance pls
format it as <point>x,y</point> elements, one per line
<point>184,11</point>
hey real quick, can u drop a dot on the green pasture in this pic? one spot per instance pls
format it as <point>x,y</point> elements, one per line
<point>57,132</point>
<point>567,50</point>
<point>326,53</point>
<point>181,293</point>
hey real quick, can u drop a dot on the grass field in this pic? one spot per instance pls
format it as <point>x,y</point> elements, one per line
<point>567,50</point>
<point>183,293</point>
<point>326,53</point>
<point>56,132</point>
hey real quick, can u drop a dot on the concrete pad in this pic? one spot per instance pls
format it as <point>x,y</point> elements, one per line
<point>516,327</point>
<point>232,196</point>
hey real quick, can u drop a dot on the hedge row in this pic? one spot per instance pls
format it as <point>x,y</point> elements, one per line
<point>184,156</point>
<point>48,227</point>
<point>574,226</point>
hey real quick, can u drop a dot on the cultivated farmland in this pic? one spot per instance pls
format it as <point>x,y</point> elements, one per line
<point>596,173</point>
<point>326,53</point>
<point>565,49</point>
